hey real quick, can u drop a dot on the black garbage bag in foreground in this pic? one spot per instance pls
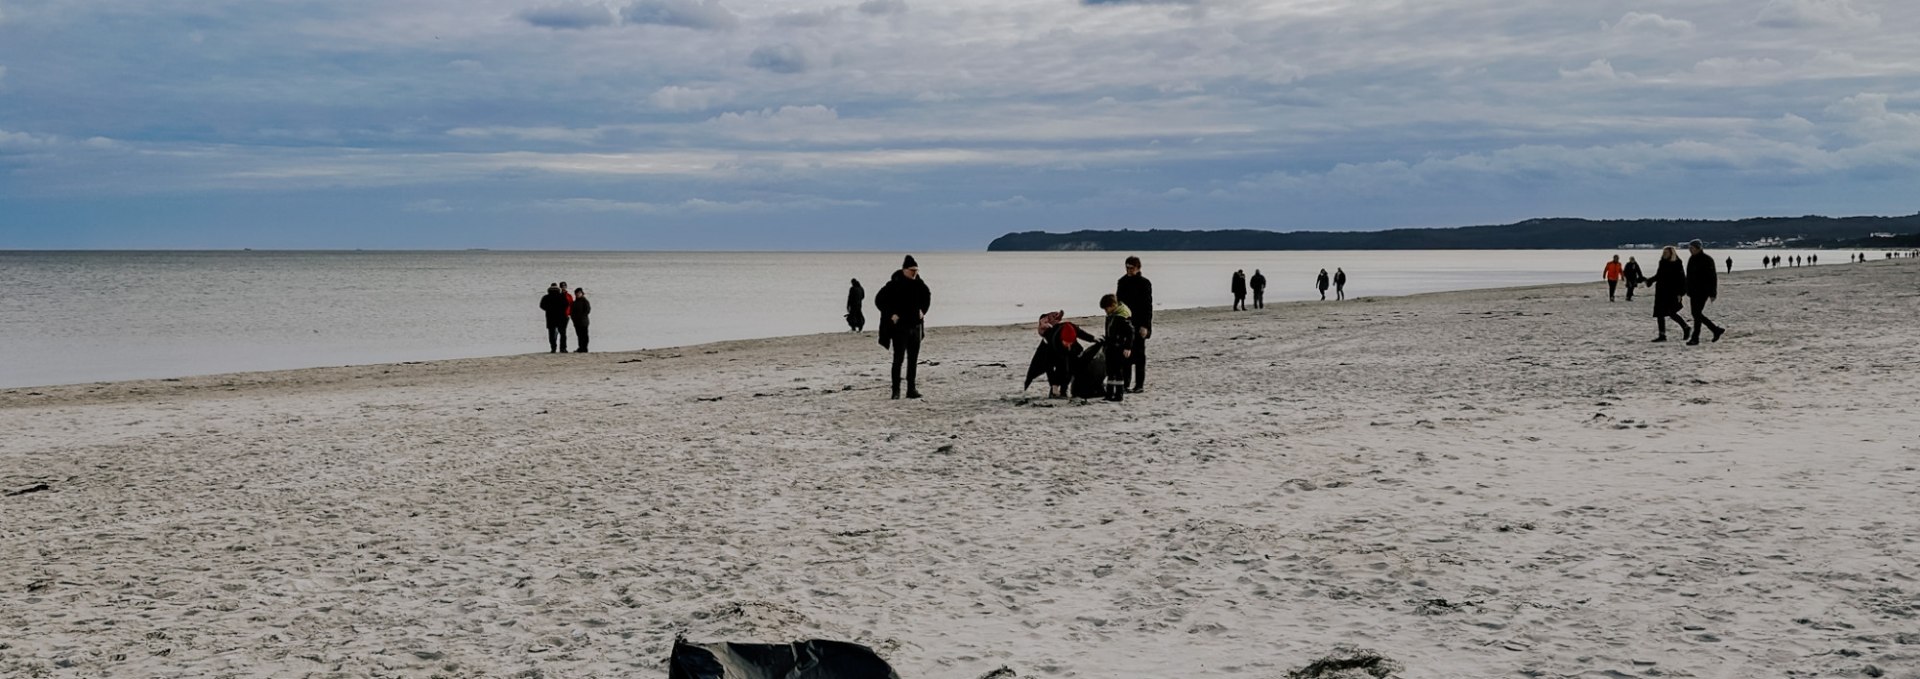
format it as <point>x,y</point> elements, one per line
<point>813,659</point>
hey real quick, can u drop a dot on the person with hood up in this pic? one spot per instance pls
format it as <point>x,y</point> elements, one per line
<point>555,305</point>
<point>903,304</point>
<point>1118,345</point>
<point>579,311</point>
<point>1320,283</point>
<point>856,296</point>
<point>1339,283</point>
<point>1135,291</point>
<point>1669,283</point>
<point>1703,285</point>
<point>1239,288</point>
<point>1612,273</point>
<point>1259,285</point>
<point>1634,276</point>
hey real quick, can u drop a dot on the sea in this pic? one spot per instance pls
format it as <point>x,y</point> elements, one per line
<point>90,316</point>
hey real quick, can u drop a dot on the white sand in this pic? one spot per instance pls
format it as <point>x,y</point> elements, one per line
<point>1586,503</point>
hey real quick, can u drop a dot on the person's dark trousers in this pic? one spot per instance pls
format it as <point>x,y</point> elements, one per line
<point>1701,322</point>
<point>580,335</point>
<point>1612,286</point>
<point>1340,293</point>
<point>556,336</point>
<point>907,350</point>
<point>1139,361</point>
<point>1239,302</point>
<point>1259,299</point>
<point>1684,331</point>
<point>1630,287</point>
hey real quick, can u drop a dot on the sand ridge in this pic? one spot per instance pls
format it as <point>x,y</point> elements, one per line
<point>1489,483</point>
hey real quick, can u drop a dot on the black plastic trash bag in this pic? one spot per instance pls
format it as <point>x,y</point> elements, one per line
<point>812,659</point>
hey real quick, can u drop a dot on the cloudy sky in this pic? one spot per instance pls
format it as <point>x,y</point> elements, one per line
<point>914,124</point>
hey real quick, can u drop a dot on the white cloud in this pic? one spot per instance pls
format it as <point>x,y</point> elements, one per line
<point>1014,202</point>
<point>1730,68</point>
<point>547,134</point>
<point>1599,69</point>
<point>677,98</point>
<point>429,206</point>
<point>1812,13</point>
<point>1647,23</point>
<point>698,205</point>
<point>696,14</point>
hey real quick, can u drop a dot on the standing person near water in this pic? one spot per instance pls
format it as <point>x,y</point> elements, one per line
<point>1259,285</point>
<point>1702,286</point>
<point>856,295</point>
<point>1118,345</point>
<point>1612,273</point>
<point>1135,291</point>
<point>1635,277</point>
<point>1321,284</point>
<point>555,305</point>
<point>1239,288</point>
<point>903,303</point>
<point>579,311</point>
<point>1729,265</point>
<point>1339,283</point>
<point>1669,283</point>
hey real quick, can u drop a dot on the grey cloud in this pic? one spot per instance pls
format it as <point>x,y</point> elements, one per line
<point>1814,13</point>
<point>1643,22</point>
<point>706,15</point>
<point>883,7</point>
<point>807,19</point>
<point>1092,3</point>
<point>568,16</point>
<point>784,58</point>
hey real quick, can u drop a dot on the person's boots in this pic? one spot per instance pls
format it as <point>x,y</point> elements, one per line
<point>912,392</point>
<point>896,390</point>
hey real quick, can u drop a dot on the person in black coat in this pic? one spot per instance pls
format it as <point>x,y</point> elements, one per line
<point>903,304</point>
<point>555,304</point>
<point>1118,345</point>
<point>579,312</point>
<point>1135,291</point>
<point>1339,283</point>
<point>1259,285</point>
<point>856,296</point>
<point>1635,277</point>
<point>1703,285</point>
<point>1239,288</point>
<point>1321,283</point>
<point>1669,283</point>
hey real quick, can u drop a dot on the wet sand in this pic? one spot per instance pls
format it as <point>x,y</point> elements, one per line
<point>1490,483</point>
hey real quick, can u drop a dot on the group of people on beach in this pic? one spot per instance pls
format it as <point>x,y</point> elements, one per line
<point>1241,284</point>
<point>1697,280</point>
<point>562,307</point>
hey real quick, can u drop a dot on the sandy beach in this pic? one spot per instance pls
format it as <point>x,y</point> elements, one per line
<point>1497,483</point>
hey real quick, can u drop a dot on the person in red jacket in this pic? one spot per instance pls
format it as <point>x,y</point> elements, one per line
<point>1612,273</point>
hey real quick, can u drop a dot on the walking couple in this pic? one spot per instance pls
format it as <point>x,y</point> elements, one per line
<point>562,307</point>
<point>1698,281</point>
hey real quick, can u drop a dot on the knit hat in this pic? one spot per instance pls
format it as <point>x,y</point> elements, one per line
<point>910,264</point>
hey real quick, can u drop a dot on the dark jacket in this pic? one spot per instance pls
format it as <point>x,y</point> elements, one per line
<point>905,297</point>
<point>1703,281</point>
<point>855,295</point>
<point>1320,282</point>
<point>1120,336</point>
<point>1239,284</point>
<point>555,304</point>
<point>581,309</point>
<point>1137,293</point>
<point>1633,275</point>
<point>1259,282</point>
<point>1669,284</point>
<point>1340,279</point>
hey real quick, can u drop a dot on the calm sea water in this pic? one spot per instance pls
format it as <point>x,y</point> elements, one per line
<point>69,317</point>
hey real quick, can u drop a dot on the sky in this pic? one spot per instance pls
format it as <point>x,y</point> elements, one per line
<point>920,125</point>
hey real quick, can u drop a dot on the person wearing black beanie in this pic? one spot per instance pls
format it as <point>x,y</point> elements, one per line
<point>903,304</point>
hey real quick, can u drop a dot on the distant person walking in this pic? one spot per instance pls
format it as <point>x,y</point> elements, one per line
<point>1259,284</point>
<point>1729,265</point>
<point>1135,291</point>
<point>1703,286</point>
<point>903,304</point>
<point>1339,283</point>
<point>1118,345</point>
<point>856,296</point>
<point>555,305</point>
<point>1239,288</point>
<point>1320,283</point>
<point>580,311</point>
<point>1612,273</point>
<point>1633,275</point>
<point>1669,283</point>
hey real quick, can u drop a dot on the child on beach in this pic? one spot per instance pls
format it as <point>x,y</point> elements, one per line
<point>1118,346</point>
